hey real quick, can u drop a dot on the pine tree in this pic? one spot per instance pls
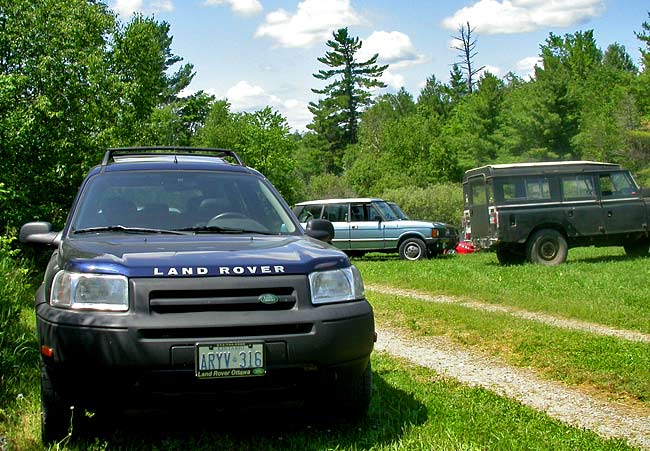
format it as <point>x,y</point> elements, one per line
<point>336,116</point>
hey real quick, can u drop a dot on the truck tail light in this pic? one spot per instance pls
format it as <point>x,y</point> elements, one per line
<point>494,217</point>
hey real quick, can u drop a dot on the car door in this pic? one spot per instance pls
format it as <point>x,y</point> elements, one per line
<point>477,205</point>
<point>623,207</point>
<point>338,215</point>
<point>583,211</point>
<point>366,227</point>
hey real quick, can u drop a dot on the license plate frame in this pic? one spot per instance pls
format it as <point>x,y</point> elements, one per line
<point>229,360</point>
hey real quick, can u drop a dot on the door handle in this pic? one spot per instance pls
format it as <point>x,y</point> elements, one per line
<point>609,213</point>
<point>355,227</point>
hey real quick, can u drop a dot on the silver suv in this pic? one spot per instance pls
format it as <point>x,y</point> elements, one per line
<point>371,225</point>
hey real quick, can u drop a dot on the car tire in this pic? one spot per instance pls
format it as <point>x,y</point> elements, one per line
<point>56,413</point>
<point>350,398</point>
<point>413,249</point>
<point>547,247</point>
<point>508,256</point>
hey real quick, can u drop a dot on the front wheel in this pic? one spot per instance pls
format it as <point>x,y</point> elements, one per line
<point>413,249</point>
<point>56,414</point>
<point>547,247</point>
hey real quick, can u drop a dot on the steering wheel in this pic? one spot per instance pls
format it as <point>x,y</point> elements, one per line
<point>228,215</point>
<point>225,216</point>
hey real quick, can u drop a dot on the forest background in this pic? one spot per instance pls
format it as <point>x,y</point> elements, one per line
<point>75,80</point>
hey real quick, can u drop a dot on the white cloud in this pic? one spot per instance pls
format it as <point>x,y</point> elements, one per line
<point>242,7</point>
<point>126,8</point>
<point>313,22</point>
<point>394,48</point>
<point>519,16</point>
<point>494,70</point>
<point>244,96</point>
<point>393,80</point>
<point>526,66</point>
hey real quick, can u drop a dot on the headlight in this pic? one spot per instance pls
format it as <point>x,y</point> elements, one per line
<point>90,291</point>
<point>339,285</point>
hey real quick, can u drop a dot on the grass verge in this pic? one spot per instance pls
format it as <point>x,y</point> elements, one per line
<point>614,368</point>
<point>413,409</point>
<point>596,284</point>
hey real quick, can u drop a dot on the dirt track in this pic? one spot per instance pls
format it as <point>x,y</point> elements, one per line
<point>555,399</point>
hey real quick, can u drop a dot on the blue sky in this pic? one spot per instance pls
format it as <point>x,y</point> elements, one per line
<point>263,52</point>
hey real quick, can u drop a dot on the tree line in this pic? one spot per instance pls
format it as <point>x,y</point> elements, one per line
<point>75,80</point>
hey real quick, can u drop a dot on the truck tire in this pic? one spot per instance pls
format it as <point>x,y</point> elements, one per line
<point>637,248</point>
<point>547,247</point>
<point>413,249</point>
<point>56,414</point>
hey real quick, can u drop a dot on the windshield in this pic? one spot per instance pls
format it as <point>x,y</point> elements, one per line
<point>189,201</point>
<point>386,211</point>
<point>398,211</point>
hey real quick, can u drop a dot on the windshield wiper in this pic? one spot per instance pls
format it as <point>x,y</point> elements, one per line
<point>121,228</point>
<point>217,229</point>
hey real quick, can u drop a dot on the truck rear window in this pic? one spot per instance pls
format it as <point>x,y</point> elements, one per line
<point>524,189</point>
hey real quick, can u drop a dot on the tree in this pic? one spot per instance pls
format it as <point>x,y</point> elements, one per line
<point>142,58</point>
<point>261,138</point>
<point>467,47</point>
<point>72,82</point>
<point>617,57</point>
<point>336,117</point>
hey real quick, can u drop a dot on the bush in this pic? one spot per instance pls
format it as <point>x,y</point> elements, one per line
<point>17,346</point>
<point>442,202</point>
<point>328,186</point>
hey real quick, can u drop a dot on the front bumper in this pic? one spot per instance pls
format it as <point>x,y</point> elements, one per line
<point>147,353</point>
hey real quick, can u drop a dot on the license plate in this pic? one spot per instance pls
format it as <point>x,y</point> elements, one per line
<point>229,360</point>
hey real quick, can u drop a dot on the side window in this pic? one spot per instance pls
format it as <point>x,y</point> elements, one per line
<point>537,188</point>
<point>357,213</point>
<point>372,214</point>
<point>336,212</point>
<point>616,185</point>
<point>579,186</point>
<point>513,189</point>
<point>310,212</point>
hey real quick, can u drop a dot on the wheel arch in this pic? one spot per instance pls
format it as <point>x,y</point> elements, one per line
<point>551,225</point>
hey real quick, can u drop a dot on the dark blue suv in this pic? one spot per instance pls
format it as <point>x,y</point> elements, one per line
<point>182,275</point>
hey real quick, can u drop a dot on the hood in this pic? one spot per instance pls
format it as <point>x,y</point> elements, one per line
<point>198,255</point>
<point>415,224</point>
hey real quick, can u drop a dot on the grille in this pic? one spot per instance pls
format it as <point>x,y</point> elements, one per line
<point>224,300</point>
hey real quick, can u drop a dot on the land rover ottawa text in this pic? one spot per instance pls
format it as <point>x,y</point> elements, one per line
<point>537,211</point>
<point>181,275</point>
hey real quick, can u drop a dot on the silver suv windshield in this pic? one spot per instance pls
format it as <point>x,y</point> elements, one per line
<point>386,211</point>
<point>180,201</point>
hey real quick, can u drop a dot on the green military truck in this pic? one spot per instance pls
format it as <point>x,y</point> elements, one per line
<point>538,211</point>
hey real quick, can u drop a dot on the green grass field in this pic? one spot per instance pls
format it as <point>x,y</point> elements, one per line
<point>413,408</point>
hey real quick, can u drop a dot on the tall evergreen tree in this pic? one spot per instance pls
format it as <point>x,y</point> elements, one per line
<point>336,116</point>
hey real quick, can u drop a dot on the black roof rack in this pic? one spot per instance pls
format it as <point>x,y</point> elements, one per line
<point>170,150</point>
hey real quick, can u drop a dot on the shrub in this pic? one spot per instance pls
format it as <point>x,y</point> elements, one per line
<point>328,186</point>
<point>17,350</point>
<point>442,202</point>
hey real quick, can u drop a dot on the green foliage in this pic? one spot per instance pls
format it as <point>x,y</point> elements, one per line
<point>262,140</point>
<point>441,202</point>
<point>17,348</point>
<point>328,186</point>
<point>72,82</point>
<point>336,116</point>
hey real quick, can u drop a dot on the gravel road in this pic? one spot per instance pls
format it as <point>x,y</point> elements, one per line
<point>557,400</point>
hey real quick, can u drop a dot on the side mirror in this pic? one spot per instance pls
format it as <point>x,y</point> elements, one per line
<point>321,229</point>
<point>39,233</point>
